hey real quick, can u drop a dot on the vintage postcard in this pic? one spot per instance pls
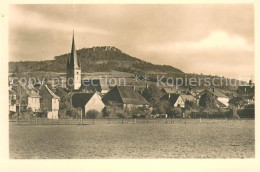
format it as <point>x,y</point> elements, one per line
<point>171,81</point>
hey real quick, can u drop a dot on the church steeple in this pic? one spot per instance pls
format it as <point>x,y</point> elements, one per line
<point>73,68</point>
<point>73,61</point>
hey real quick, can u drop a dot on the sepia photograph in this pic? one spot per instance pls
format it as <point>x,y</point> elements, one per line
<point>131,81</point>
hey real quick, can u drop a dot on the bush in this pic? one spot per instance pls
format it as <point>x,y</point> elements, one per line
<point>69,110</point>
<point>27,115</point>
<point>93,114</point>
<point>43,113</point>
<point>121,115</point>
<point>175,112</point>
<point>107,112</point>
<point>13,115</point>
<point>140,112</point>
<point>62,113</point>
<point>160,107</point>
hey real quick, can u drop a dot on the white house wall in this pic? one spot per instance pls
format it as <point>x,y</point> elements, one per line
<point>55,104</point>
<point>53,115</point>
<point>94,103</point>
<point>223,100</point>
<point>180,102</point>
<point>12,107</point>
<point>34,103</point>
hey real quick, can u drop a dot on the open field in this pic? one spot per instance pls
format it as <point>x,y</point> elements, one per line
<point>193,139</point>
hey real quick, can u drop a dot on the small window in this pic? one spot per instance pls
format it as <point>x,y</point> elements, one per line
<point>77,72</point>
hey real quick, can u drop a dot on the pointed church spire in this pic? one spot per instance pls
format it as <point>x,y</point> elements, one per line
<point>73,61</point>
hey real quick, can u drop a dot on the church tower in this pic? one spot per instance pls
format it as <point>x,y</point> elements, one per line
<point>73,69</point>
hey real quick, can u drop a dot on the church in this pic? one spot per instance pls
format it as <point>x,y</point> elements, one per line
<point>74,81</point>
<point>73,69</point>
<point>84,96</point>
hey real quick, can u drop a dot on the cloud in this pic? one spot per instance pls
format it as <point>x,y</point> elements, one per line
<point>33,20</point>
<point>217,40</point>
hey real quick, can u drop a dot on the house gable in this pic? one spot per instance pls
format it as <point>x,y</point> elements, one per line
<point>179,102</point>
<point>94,103</point>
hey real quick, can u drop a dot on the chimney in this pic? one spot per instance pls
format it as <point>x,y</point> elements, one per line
<point>146,86</point>
<point>169,96</point>
<point>134,87</point>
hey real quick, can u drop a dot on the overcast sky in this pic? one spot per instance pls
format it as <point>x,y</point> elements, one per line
<point>208,39</point>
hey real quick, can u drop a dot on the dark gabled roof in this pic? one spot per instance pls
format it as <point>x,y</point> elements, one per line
<point>73,61</point>
<point>51,93</point>
<point>81,99</point>
<point>125,95</point>
<point>216,93</point>
<point>130,96</point>
<point>173,98</point>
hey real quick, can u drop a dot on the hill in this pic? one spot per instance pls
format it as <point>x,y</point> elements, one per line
<point>96,59</point>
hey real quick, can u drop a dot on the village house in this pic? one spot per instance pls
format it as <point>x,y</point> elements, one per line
<point>87,101</point>
<point>178,100</point>
<point>34,100</point>
<point>126,97</point>
<point>247,92</point>
<point>222,99</point>
<point>27,98</point>
<point>49,102</point>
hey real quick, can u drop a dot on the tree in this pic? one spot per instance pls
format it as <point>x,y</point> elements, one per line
<point>27,114</point>
<point>61,93</point>
<point>93,114</point>
<point>145,111</point>
<point>112,106</point>
<point>135,112</point>
<point>190,108</point>
<point>189,105</point>
<point>161,107</point>
<point>237,101</point>
<point>107,113</point>
<point>207,100</point>
<point>69,110</point>
<point>152,94</point>
<point>175,112</point>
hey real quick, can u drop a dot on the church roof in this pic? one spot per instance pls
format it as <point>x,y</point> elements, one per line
<point>73,61</point>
